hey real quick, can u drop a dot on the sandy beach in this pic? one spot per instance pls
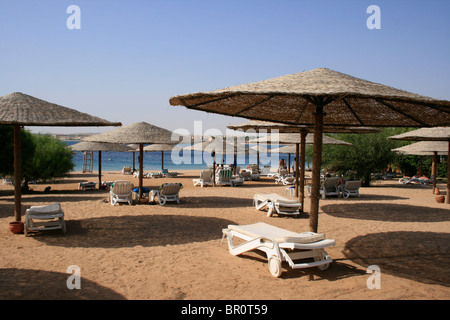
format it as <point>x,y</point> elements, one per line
<point>175,251</point>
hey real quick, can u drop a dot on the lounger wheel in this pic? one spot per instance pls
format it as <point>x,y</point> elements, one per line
<point>275,266</point>
<point>322,255</point>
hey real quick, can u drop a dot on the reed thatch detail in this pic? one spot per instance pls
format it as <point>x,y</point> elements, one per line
<point>99,146</point>
<point>349,101</point>
<point>139,133</point>
<point>424,148</point>
<point>285,128</point>
<point>21,109</point>
<point>425,134</point>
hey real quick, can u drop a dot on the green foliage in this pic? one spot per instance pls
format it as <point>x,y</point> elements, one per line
<point>52,159</point>
<point>7,149</point>
<point>369,153</point>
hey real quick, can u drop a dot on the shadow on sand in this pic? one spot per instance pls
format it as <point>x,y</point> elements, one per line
<point>418,256</point>
<point>386,212</point>
<point>130,231</point>
<point>23,284</point>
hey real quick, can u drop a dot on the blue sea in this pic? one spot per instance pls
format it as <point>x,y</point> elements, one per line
<point>193,160</point>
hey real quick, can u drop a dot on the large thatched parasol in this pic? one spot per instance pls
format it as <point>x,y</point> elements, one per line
<point>321,97</point>
<point>98,146</point>
<point>21,110</point>
<point>431,134</point>
<point>140,133</point>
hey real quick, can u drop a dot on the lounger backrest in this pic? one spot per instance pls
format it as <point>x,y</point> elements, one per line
<point>352,185</point>
<point>331,183</point>
<point>122,187</point>
<point>170,188</point>
<point>225,175</point>
<point>206,175</point>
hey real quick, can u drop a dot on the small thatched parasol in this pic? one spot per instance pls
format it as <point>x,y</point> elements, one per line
<point>159,147</point>
<point>300,146</point>
<point>431,134</point>
<point>20,110</point>
<point>98,146</point>
<point>321,97</point>
<point>140,133</point>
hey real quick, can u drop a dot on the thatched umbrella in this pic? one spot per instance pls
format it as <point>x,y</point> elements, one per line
<point>426,148</point>
<point>220,146</point>
<point>159,147</point>
<point>300,145</point>
<point>21,110</point>
<point>321,97</point>
<point>140,133</point>
<point>294,139</point>
<point>431,134</point>
<point>98,146</point>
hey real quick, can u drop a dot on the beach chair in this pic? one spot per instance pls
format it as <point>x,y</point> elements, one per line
<point>224,177</point>
<point>49,217</point>
<point>330,187</point>
<point>275,203</point>
<point>206,178</point>
<point>254,174</point>
<point>167,192</point>
<point>87,185</point>
<point>245,175</point>
<point>300,250</point>
<point>351,188</point>
<point>8,180</point>
<point>285,180</point>
<point>127,170</point>
<point>121,191</point>
<point>167,174</point>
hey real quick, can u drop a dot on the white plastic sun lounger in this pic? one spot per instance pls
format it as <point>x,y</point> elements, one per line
<point>281,245</point>
<point>274,202</point>
<point>47,217</point>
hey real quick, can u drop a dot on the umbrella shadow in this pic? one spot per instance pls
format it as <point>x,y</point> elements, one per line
<point>418,256</point>
<point>130,231</point>
<point>386,212</point>
<point>25,284</point>
<point>214,202</point>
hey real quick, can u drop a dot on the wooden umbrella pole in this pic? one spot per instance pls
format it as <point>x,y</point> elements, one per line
<point>302,169</point>
<point>141,168</point>
<point>317,163</point>
<point>447,199</point>
<point>17,174</point>
<point>162,160</point>
<point>433,170</point>
<point>297,150</point>
<point>99,170</point>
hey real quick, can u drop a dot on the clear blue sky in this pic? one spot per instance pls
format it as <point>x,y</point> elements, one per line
<point>130,57</point>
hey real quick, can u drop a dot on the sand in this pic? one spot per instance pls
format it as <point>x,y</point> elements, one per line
<point>175,251</point>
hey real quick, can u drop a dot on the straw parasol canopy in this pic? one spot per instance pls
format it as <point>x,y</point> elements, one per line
<point>424,148</point>
<point>98,146</point>
<point>139,133</point>
<point>20,110</point>
<point>431,134</point>
<point>286,128</point>
<point>159,147</point>
<point>321,97</point>
<point>291,138</point>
